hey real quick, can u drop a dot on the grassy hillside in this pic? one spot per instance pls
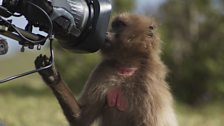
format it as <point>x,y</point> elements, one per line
<point>18,63</point>
<point>28,102</point>
<point>25,105</point>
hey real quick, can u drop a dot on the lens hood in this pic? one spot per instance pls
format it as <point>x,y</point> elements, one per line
<point>94,33</point>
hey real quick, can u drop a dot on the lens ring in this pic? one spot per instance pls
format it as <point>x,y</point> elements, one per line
<point>11,5</point>
<point>80,11</point>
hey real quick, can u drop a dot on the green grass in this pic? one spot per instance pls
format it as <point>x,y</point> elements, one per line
<point>18,63</point>
<point>32,103</point>
<point>28,102</point>
<point>207,115</point>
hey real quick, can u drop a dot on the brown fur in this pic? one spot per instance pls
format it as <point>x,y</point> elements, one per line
<point>132,42</point>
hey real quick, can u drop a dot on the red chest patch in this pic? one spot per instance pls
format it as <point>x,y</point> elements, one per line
<point>115,98</point>
<point>127,71</point>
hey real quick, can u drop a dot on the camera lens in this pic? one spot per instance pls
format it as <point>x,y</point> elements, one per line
<point>3,46</point>
<point>11,5</point>
<point>80,10</point>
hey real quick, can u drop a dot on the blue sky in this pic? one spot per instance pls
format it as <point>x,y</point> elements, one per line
<point>143,4</point>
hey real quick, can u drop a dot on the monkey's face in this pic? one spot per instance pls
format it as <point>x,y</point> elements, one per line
<point>131,35</point>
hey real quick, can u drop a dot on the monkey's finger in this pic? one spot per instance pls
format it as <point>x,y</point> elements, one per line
<point>40,56</point>
<point>46,60</point>
<point>45,57</point>
<point>38,61</point>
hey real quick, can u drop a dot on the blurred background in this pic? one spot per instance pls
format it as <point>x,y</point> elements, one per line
<point>192,32</point>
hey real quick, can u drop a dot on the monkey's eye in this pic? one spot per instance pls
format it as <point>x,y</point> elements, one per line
<point>118,24</point>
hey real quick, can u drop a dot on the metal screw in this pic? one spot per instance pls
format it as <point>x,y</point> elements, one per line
<point>22,49</point>
<point>38,47</point>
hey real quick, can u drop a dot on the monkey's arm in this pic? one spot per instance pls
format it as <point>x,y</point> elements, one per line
<point>67,101</point>
<point>77,115</point>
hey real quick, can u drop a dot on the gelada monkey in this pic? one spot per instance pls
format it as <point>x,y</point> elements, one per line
<point>128,87</point>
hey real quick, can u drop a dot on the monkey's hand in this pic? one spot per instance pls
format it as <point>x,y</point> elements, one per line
<point>116,98</point>
<point>50,76</point>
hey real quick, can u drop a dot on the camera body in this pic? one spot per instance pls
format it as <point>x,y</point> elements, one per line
<point>79,25</point>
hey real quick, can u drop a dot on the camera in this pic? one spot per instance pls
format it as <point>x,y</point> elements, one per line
<point>79,25</point>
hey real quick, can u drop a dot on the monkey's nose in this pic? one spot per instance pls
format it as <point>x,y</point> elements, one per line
<point>108,37</point>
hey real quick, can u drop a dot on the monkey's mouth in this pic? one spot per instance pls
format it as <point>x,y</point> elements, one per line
<point>108,37</point>
<point>108,41</point>
<point>106,45</point>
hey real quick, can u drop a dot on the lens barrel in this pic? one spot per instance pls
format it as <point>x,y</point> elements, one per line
<point>11,5</point>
